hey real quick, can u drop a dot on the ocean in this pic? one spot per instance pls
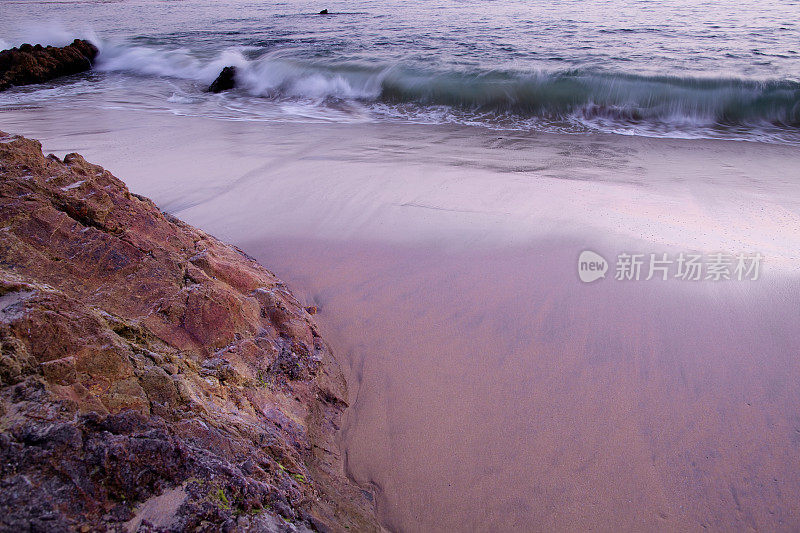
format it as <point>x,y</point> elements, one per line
<point>681,68</point>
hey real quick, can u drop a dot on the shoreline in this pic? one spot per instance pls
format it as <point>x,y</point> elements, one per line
<point>459,186</point>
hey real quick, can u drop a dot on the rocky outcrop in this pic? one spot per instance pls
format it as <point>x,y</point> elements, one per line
<point>153,378</point>
<point>225,81</point>
<point>36,64</point>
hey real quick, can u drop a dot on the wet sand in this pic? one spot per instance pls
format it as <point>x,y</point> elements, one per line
<point>490,389</point>
<point>494,391</point>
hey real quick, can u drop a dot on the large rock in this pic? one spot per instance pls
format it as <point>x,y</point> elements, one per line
<point>152,377</point>
<point>225,81</point>
<point>36,64</point>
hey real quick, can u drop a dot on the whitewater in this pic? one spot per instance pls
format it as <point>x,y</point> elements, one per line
<point>669,72</point>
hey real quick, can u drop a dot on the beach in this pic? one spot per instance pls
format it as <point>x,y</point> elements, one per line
<point>554,248</point>
<point>490,389</point>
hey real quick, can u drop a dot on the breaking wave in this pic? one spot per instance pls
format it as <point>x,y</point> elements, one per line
<point>579,99</point>
<point>552,95</point>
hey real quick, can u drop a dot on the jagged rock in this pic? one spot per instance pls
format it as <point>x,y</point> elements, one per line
<point>153,378</point>
<point>225,81</point>
<point>36,64</point>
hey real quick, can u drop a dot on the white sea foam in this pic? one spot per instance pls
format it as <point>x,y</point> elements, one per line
<point>273,75</point>
<point>180,99</point>
<point>177,63</point>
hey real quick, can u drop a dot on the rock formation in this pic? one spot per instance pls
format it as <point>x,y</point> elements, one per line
<point>36,64</point>
<point>225,81</point>
<point>153,378</point>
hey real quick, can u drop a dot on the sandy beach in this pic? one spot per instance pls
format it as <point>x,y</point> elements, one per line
<point>489,388</point>
<point>434,266</point>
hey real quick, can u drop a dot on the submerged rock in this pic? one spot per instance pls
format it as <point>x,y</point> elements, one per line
<point>152,377</point>
<point>36,64</point>
<point>225,81</point>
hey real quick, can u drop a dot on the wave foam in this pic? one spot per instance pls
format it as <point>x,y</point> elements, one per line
<point>590,99</point>
<point>179,63</point>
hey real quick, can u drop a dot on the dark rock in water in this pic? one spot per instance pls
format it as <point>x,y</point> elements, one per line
<point>36,64</point>
<point>226,80</point>
<point>323,12</point>
<point>153,378</point>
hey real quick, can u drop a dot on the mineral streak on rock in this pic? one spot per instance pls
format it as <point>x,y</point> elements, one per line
<point>225,81</point>
<point>36,64</point>
<point>152,377</point>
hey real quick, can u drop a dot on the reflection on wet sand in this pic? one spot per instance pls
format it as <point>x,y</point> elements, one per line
<point>497,392</point>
